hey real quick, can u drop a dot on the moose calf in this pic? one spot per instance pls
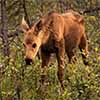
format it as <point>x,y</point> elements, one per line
<point>55,33</point>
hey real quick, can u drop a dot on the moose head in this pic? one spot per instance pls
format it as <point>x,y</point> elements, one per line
<point>32,39</point>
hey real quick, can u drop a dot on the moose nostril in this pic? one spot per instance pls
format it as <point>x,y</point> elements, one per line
<point>28,61</point>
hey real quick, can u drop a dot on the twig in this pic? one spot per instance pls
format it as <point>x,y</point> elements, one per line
<point>91,10</point>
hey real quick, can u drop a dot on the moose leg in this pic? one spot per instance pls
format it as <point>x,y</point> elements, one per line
<point>84,49</point>
<point>71,56</point>
<point>60,58</point>
<point>45,61</point>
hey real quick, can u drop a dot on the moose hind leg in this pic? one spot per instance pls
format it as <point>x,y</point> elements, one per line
<point>71,55</point>
<point>84,49</point>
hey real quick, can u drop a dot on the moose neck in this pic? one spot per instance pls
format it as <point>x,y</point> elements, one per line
<point>44,35</point>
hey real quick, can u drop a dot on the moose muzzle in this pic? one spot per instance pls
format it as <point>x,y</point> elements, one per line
<point>28,61</point>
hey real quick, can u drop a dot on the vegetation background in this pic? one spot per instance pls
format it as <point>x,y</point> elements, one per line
<point>20,82</point>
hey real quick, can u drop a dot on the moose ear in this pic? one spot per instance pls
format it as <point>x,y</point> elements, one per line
<point>39,25</point>
<point>24,25</point>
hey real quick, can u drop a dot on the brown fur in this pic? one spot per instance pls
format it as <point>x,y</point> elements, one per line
<point>56,33</point>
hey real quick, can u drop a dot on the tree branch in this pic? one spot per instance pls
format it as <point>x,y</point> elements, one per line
<point>16,33</point>
<point>4,31</point>
<point>91,10</point>
<point>25,12</point>
<point>15,12</point>
<point>11,5</point>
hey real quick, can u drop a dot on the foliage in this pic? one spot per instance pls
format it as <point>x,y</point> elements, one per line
<point>21,82</point>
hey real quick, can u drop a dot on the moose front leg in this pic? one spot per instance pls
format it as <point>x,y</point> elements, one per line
<point>45,57</point>
<point>60,58</point>
<point>45,61</point>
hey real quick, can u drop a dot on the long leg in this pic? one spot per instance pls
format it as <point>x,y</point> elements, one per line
<point>84,49</point>
<point>45,61</point>
<point>60,58</point>
<point>45,57</point>
<point>71,55</point>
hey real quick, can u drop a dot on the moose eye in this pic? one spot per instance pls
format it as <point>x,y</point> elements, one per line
<point>34,45</point>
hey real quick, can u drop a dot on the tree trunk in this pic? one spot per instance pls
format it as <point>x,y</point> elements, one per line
<point>23,2</point>
<point>0,93</point>
<point>4,28</point>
